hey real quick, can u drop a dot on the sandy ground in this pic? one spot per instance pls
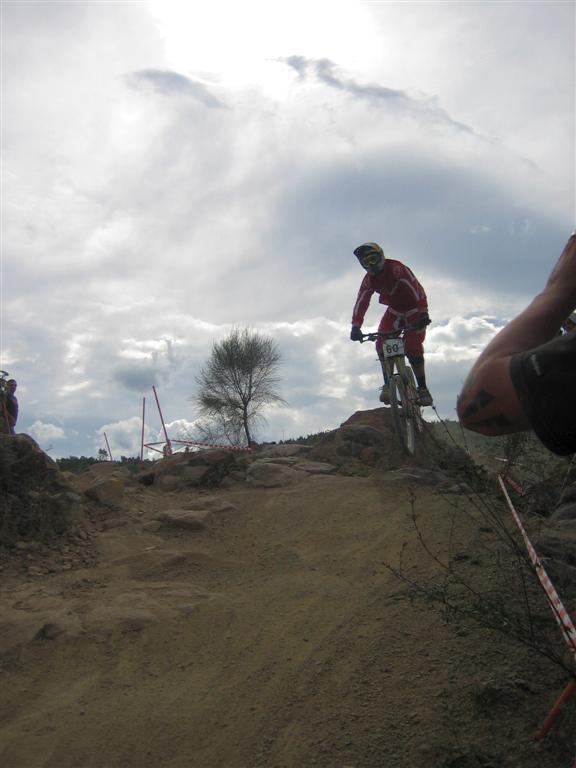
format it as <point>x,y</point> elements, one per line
<point>274,638</point>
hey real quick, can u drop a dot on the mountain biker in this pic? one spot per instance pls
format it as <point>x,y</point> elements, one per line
<point>525,377</point>
<point>407,306</point>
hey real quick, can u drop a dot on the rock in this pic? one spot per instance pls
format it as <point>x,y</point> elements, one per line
<point>367,439</point>
<point>167,482</point>
<point>115,522</point>
<point>287,461</point>
<point>266,474</point>
<point>61,623</point>
<point>36,571</point>
<point>152,526</point>
<point>192,520</point>
<point>212,503</point>
<point>349,450</point>
<point>314,467</point>
<point>107,492</point>
<point>183,470</point>
<point>32,483</point>
<point>27,546</point>
<point>65,509</point>
<point>362,434</point>
<point>284,450</point>
<point>49,631</point>
<point>195,474</point>
<point>101,472</point>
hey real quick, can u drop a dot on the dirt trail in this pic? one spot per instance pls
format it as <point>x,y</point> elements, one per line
<point>276,638</point>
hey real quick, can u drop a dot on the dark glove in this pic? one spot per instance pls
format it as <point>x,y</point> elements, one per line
<point>356,333</point>
<point>423,321</point>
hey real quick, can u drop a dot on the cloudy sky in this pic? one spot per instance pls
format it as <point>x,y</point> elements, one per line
<point>174,169</point>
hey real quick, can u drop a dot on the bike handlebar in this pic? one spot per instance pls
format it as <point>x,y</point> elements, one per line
<point>389,335</point>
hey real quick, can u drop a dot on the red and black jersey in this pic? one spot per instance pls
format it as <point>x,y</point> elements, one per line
<point>398,289</point>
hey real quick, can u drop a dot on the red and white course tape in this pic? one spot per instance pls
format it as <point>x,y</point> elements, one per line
<point>561,614</point>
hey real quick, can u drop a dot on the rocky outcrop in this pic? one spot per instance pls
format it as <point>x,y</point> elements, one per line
<point>37,501</point>
<point>557,543</point>
<point>364,442</point>
<point>108,492</point>
<point>191,470</point>
<point>269,474</point>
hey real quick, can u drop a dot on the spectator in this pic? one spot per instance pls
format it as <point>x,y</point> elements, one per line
<point>526,376</point>
<point>11,406</point>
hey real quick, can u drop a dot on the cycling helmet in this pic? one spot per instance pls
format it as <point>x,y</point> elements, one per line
<point>371,257</point>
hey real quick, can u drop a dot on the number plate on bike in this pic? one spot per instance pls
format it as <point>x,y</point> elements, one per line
<point>393,348</point>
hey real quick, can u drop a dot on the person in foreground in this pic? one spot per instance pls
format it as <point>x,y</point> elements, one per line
<point>526,376</point>
<point>407,307</point>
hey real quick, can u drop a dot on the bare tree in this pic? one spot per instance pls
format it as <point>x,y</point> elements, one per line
<point>239,379</point>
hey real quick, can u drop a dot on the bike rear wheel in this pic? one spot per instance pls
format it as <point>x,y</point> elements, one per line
<point>403,416</point>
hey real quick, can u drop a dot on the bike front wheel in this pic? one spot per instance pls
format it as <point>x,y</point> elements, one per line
<point>403,416</point>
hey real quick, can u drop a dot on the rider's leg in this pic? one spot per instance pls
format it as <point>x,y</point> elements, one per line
<point>417,364</point>
<point>387,324</point>
<point>414,345</point>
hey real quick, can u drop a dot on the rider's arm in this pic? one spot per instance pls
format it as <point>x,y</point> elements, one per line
<point>489,402</point>
<point>362,302</point>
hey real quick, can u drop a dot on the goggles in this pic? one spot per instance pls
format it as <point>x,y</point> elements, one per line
<point>370,260</point>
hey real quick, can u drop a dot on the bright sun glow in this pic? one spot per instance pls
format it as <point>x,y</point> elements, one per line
<point>237,43</point>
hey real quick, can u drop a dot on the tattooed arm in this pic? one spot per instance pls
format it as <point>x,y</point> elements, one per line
<point>488,402</point>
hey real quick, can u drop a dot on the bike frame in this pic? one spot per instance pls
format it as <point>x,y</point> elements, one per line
<point>405,411</point>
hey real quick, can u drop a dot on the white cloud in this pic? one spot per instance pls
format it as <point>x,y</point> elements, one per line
<point>45,433</point>
<point>142,223</point>
<point>124,437</point>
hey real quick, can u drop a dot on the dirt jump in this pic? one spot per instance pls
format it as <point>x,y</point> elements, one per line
<point>259,621</point>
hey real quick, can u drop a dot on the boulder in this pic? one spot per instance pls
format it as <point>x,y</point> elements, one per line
<point>366,439</point>
<point>265,474</point>
<point>109,492</point>
<point>185,470</point>
<point>38,500</point>
<point>65,510</point>
<point>363,434</point>
<point>103,470</point>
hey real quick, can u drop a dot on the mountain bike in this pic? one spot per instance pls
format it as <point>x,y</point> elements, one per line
<point>405,411</point>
